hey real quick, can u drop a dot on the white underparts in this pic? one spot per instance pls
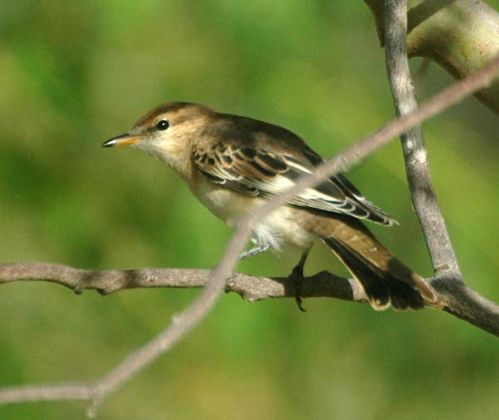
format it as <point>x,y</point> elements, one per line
<point>280,228</point>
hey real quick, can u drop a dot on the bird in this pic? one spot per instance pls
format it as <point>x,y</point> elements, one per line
<point>233,164</point>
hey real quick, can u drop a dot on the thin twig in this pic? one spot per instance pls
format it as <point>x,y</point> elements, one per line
<point>193,314</point>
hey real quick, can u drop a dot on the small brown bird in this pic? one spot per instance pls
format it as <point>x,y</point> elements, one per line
<point>232,164</point>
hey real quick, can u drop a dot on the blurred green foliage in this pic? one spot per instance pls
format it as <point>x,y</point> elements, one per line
<point>73,74</point>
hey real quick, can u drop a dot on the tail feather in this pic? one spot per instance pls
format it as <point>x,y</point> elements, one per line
<point>384,278</point>
<point>376,291</point>
<point>381,288</point>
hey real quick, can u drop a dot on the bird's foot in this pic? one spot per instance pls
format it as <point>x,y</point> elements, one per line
<point>256,250</point>
<point>297,279</point>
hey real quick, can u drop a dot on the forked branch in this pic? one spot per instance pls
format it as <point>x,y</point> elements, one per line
<point>448,278</point>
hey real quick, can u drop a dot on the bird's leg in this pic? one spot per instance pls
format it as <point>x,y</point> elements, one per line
<point>256,250</point>
<point>297,278</point>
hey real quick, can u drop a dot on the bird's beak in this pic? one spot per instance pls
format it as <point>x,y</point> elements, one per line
<point>122,140</point>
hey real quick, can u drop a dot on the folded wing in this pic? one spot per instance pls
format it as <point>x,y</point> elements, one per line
<point>255,171</point>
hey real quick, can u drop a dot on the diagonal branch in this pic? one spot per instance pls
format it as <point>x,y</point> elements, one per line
<point>183,323</point>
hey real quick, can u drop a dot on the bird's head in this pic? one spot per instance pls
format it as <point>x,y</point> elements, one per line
<point>166,131</point>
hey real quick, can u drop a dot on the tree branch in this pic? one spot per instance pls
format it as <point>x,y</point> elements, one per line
<point>460,35</point>
<point>250,288</point>
<point>466,304</point>
<point>96,392</point>
<point>461,301</point>
<point>415,154</point>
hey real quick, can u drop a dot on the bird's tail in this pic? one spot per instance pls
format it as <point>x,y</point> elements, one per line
<point>384,278</point>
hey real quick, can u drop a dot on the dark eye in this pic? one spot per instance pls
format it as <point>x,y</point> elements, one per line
<point>162,125</point>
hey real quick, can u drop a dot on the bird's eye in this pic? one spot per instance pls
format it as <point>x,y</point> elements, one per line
<point>162,125</point>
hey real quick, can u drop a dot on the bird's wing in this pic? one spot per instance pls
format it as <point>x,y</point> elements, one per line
<point>254,171</point>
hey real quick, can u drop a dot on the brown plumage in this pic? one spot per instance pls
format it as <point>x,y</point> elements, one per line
<point>233,163</point>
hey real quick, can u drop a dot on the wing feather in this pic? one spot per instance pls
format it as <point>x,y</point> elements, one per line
<point>256,172</point>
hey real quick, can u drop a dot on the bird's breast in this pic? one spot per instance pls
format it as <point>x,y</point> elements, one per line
<point>226,204</point>
<point>280,228</point>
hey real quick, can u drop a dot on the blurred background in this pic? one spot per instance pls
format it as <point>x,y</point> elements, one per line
<point>73,74</point>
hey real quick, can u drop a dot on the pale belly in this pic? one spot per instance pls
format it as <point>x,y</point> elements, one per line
<point>278,229</point>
